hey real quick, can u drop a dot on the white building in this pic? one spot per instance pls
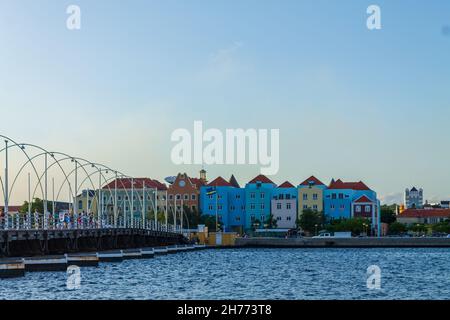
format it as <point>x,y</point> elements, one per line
<point>414,198</point>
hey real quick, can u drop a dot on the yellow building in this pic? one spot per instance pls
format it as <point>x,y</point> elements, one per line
<point>86,201</point>
<point>310,195</point>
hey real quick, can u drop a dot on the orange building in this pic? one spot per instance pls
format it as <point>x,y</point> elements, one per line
<point>186,191</point>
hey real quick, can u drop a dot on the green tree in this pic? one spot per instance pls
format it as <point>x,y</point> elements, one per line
<point>355,225</point>
<point>397,228</point>
<point>441,227</point>
<point>271,222</point>
<point>311,220</point>
<point>36,205</point>
<point>418,228</point>
<point>388,214</point>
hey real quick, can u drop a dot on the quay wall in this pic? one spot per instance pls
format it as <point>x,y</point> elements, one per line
<point>343,242</point>
<point>22,243</point>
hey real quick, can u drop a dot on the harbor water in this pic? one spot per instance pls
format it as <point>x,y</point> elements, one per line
<point>250,274</point>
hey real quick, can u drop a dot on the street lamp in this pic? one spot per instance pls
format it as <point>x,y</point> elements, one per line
<point>316,225</point>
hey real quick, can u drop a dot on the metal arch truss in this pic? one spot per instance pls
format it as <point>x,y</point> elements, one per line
<point>84,170</point>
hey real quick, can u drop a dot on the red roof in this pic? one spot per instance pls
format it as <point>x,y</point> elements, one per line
<point>219,182</point>
<point>339,184</point>
<point>261,178</point>
<point>286,184</point>
<point>125,183</point>
<point>363,199</point>
<point>197,182</point>
<point>311,180</point>
<point>425,213</point>
<point>11,208</point>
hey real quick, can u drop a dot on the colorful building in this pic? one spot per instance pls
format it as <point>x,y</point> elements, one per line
<point>414,198</point>
<point>135,197</point>
<point>310,195</point>
<point>352,200</point>
<point>226,200</point>
<point>423,216</point>
<point>258,195</point>
<point>186,191</point>
<point>284,205</point>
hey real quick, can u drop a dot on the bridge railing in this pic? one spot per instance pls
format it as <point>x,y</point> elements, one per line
<point>48,222</point>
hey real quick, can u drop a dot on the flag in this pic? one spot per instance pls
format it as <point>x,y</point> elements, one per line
<point>211,191</point>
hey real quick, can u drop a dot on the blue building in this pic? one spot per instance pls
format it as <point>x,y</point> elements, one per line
<point>258,195</point>
<point>227,201</point>
<point>352,200</point>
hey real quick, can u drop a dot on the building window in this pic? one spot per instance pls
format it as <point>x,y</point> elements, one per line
<point>305,207</point>
<point>262,195</point>
<point>193,197</point>
<point>186,197</point>
<point>305,196</point>
<point>252,217</point>
<point>288,206</point>
<point>315,207</point>
<point>288,218</point>
<point>178,197</point>
<point>219,196</point>
<point>170,197</point>
<point>194,208</point>
<point>342,207</point>
<point>262,206</point>
<point>279,206</point>
<point>252,195</point>
<point>333,196</point>
<point>358,208</point>
<point>219,207</point>
<point>210,207</point>
<point>315,196</point>
<point>367,209</point>
<point>238,196</point>
<point>263,218</point>
<point>252,206</point>
<point>278,218</point>
<point>332,207</point>
<point>341,196</point>
<point>80,204</point>
<point>238,218</point>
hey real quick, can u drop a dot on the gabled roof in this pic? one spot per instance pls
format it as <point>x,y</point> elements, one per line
<point>234,182</point>
<point>363,199</point>
<point>261,178</point>
<point>425,213</point>
<point>286,184</point>
<point>311,181</point>
<point>413,189</point>
<point>339,184</point>
<point>219,182</point>
<point>125,183</point>
<point>197,182</point>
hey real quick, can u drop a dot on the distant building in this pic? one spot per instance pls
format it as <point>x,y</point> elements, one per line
<point>284,206</point>
<point>258,195</point>
<point>352,200</point>
<point>414,198</point>
<point>310,195</point>
<point>445,204</point>
<point>147,194</point>
<point>186,191</point>
<point>226,200</point>
<point>423,216</point>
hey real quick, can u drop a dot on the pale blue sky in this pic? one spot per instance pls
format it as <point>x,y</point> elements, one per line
<point>350,103</point>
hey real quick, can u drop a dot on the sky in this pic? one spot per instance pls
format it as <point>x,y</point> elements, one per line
<point>350,103</point>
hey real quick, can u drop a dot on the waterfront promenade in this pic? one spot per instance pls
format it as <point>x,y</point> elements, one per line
<point>383,242</point>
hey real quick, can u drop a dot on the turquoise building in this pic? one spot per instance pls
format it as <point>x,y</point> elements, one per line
<point>258,195</point>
